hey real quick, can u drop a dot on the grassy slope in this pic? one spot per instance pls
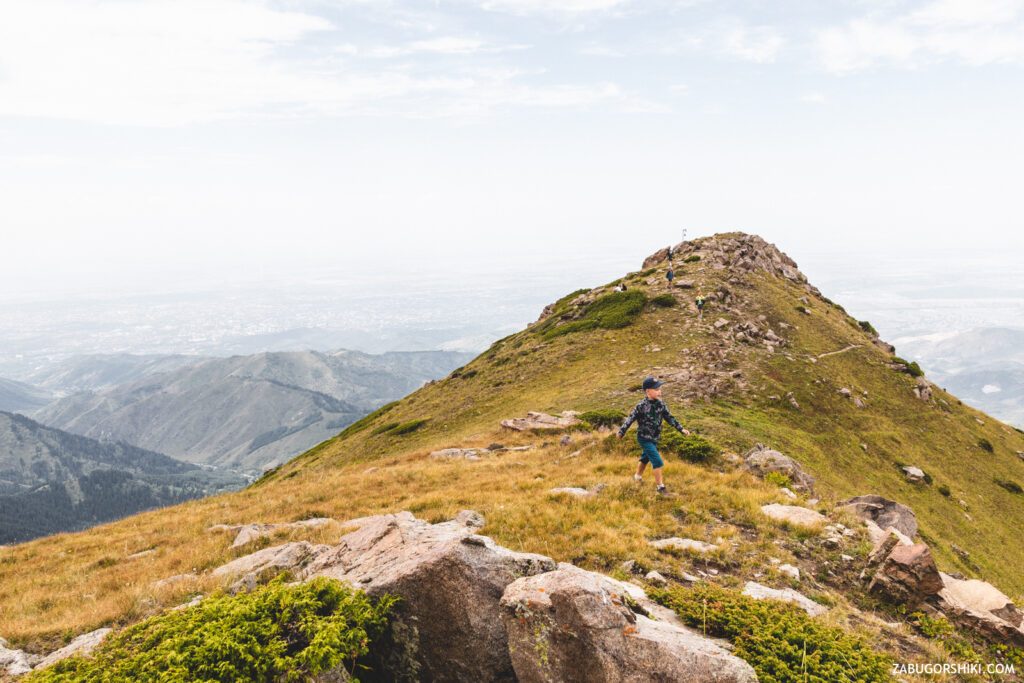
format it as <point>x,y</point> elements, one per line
<point>53,588</point>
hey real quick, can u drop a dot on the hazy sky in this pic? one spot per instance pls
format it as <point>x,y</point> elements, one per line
<point>148,142</point>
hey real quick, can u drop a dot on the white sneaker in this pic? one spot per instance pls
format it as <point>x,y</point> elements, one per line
<point>637,478</point>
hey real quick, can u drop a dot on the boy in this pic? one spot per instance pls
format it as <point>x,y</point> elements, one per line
<point>648,415</point>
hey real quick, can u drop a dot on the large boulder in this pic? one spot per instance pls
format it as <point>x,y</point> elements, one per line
<point>450,581</point>
<point>902,574</point>
<point>883,512</point>
<point>762,460</point>
<point>574,625</point>
<point>982,608</point>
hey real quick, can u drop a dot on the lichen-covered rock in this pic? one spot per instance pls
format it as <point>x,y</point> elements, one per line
<point>573,625</point>
<point>883,512</point>
<point>762,460</point>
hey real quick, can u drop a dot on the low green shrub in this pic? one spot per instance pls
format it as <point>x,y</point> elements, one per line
<point>611,311</point>
<point>275,633</point>
<point>364,422</point>
<point>912,368</point>
<point>692,448</point>
<point>603,418</point>
<point>410,426</point>
<point>664,301</point>
<point>384,428</point>
<point>778,639</point>
<point>778,478</point>
<point>986,445</point>
<point>868,327</point>
<point>692,258</point>
<point>944,490</point>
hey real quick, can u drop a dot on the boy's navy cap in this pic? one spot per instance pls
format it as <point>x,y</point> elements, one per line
<point>651,383</point>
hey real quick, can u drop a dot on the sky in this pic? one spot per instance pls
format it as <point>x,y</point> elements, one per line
<point>151,144</point>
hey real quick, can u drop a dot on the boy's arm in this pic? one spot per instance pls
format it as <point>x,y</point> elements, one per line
<point>629,420</point>
<point>674,422</point>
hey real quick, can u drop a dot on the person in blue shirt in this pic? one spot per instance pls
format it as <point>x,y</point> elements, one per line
<point>648,415</point>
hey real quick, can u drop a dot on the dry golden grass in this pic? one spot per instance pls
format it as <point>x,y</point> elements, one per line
<point>54,588</point>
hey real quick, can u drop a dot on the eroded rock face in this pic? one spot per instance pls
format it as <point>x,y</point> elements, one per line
<point>450,581</point>
<point>883,512</point>
<point>573,625</point>
<point>902,574</point>
<point>761,460</point>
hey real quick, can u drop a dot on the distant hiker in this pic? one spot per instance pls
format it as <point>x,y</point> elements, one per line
<point>670,275</point>
<point>700,306</point>
<point>670,254</point>
<point>648,415</point>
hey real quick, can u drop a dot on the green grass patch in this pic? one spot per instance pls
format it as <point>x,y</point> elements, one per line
<point>692,448</point>
<point>868,327</point>
<point>779,640</point>
<point>692,258</point>
<point>611,311</point>
<point>664,301</point>
<point>603,418</point>
<point>276,633</point>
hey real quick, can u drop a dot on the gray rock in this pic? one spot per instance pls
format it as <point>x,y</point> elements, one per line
<point>572,625</point>
<point>913,474</point>
<point>761,460</point>
<point>459,453</point>
<point>794,514</point>
<point>682,544</point>
<point>13,662</point>
<point>271,561</point>
<point>982,608</point>
<point>883,512</point>
<point>760,592</point>
<point>83,644</point>
<point>542,421</point>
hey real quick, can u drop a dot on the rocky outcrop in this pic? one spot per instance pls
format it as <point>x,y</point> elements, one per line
<point>574,625</point>
<point>794,514</point>
<point>542,421</point>
<point>902,574</point>
<point>736,252</point>
<point>762,460</point>
<point>982,608</point>
<point>884,513</point>
<point>759,592</point>
<point>450,581</point>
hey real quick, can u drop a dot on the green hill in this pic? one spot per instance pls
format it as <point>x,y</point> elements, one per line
<point>772,361</point>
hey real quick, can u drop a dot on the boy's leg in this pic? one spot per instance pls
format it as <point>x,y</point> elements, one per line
<point>657,476</point>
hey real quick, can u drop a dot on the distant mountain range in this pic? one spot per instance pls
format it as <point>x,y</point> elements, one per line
<point>97,371</point>
<point>52,481</point>
<point>245,412</point>
<point>983,366</point>
<point>18,396</point>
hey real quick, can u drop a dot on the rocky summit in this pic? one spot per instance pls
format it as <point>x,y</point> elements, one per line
<point>789,516</point>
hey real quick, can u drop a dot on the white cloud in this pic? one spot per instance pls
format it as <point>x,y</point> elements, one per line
<point>812,98</point>
<point>758,44</point>
<point>562,7</point>
<point>977,33</point>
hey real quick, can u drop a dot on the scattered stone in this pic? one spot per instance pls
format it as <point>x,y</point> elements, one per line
<point>787,493</point>
<point>845,393</point>
<point>682,544</point>
<point>577,491</point>
<point>761,460</point>
<point>792,400</point>
<point>573,625</point>
<point>846,558</point>
<point>902,574</point>
<point>535,420</point>
<point>790,570</point>
<point>883,512</point>
<point>171,580</point>
<point>83,644</point>
<point>247,533</point>
<point>794,514</point>
<point>858,402</point>
<point>655,578</point>
<point>633,567</point>
<point>759,592</point>
<point>141,553</point>
<point>458,453</point>
<point>923,389</point>
<point>720,323</point>
<point>915,475</point>
<point>834,535</point>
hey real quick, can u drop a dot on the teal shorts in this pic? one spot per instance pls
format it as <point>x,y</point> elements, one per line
<point>650,453</point>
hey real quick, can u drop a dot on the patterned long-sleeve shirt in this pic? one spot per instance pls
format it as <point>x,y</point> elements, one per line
<point>648,415</point>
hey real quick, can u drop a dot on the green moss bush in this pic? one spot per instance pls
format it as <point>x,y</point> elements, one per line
<point>693,448</point>
<point>611,311</point>
<point>603,418</point>
<point>276,633</point>
<point>778,639</point>
<point>664,301</point>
